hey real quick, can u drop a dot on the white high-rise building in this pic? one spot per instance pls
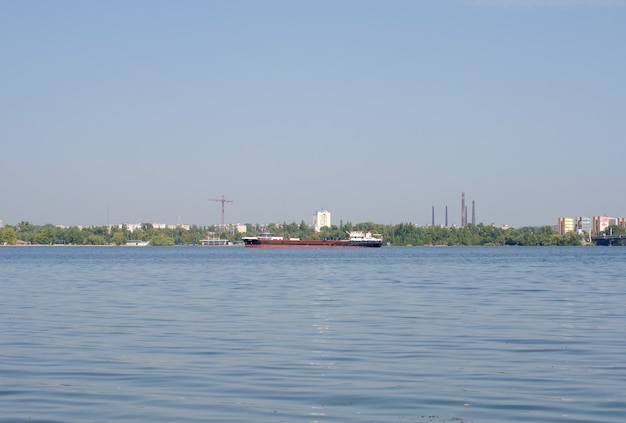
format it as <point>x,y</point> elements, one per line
<point>321,219</point>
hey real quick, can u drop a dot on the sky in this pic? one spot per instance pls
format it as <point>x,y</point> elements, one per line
<point>148,110</point>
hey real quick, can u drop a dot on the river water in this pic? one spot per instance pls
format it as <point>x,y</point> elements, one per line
<point>228,334</point>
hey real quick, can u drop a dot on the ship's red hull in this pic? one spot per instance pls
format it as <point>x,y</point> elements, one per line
<point>291,243</point>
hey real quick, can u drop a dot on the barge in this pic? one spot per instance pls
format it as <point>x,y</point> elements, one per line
<point>358,239</point>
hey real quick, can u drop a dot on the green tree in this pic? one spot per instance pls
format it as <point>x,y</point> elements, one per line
<point>118,238</point>
<point>24,226</point>
<point>46,235</point>
<point>490,235</point>
<point>615,230</point>
<point>94,239</point>
<point>303,226</point>
<point>570,238</point>
<point>8,236</point>
<point>161,240</point>
<point>122,231</point>
<point>26,231</point>
<point>332,232</point>
<point>72,236</point>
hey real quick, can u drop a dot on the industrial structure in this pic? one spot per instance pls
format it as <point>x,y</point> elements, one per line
<point>473,213</point>
<point>463,210</point>
<point>433,217</point>
<point>223,201</point>
<point>464,213</point>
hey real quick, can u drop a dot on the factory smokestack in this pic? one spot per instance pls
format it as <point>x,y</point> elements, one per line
<point>446,216</point>
<point>433,215</point>
<point>463,209</point>
<point>473,213</point>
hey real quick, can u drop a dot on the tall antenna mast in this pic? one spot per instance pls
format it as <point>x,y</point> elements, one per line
<point>222,200</point>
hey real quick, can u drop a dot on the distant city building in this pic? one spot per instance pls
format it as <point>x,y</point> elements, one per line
<point>231,228</point>
<point>321,219</point>
<point>587,225</point>
<point>583,225</point>
<point>566,224</point>
<point>600,223</point>
<point>132,227</point>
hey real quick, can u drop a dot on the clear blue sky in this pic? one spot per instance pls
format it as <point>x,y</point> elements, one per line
<point>142,111</point>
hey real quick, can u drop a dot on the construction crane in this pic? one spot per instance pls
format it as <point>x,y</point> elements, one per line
<point>223,201</point>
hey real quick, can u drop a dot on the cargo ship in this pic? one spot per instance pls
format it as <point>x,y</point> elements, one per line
<point>358,239</point>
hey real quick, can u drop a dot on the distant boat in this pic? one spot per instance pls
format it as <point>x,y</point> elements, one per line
<point>136,243</point>
<point>216,242</point>
<point>358,239</point>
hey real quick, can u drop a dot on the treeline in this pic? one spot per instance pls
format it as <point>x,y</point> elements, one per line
<point>99,235</point>
<point>404,234</point>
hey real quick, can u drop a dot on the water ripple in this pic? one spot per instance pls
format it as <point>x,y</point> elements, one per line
<point>229,334</point>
